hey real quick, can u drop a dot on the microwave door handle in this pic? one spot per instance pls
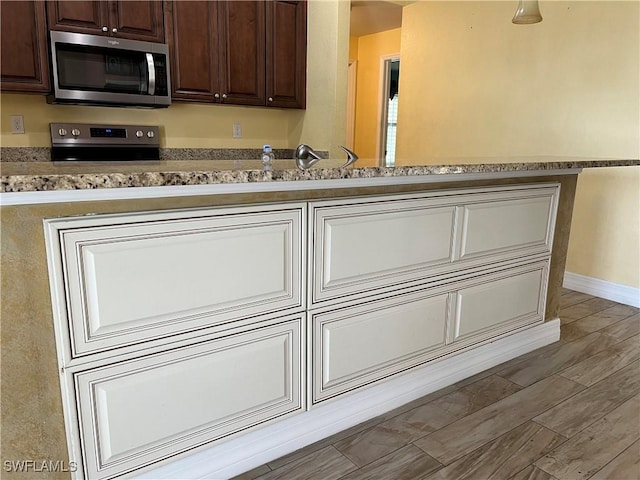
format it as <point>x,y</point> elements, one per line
<point>152,74</point>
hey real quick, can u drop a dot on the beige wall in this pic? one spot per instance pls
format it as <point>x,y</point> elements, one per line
<point>606,224</point>
<point>201,125</point>
<point>370,49</point>
<point>474,84</point>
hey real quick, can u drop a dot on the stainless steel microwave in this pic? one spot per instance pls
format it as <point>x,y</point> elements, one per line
<point>96,70</point>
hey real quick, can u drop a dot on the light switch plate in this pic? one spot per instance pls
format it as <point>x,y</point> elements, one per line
<point>237,130</point>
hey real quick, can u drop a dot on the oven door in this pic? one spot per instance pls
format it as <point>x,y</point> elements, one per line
<point>108,71</point>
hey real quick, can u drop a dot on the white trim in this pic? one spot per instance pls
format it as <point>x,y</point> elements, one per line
<point>63,196</point>
<point>352,74</point>
<point>257,447</point>
<point>602,288</point>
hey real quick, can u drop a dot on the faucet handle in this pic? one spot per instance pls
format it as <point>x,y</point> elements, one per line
<point>351,157</point>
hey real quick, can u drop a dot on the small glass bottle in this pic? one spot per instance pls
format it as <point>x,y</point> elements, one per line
<point>267,158</point>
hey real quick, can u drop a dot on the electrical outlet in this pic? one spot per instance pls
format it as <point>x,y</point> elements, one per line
<point>17,123</point>
<point>237,130</point>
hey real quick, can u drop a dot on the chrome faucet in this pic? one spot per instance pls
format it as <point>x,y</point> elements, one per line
<point>306,157</point>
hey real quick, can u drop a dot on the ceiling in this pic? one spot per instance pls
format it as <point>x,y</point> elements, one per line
<point>369,17</point>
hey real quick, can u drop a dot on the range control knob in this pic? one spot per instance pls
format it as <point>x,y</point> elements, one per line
<point>75,132</point>
<point>150,134</point>
<point>139,133</point>
<point>62,132</point>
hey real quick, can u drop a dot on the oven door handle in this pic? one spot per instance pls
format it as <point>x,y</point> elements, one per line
<point>152,74</point>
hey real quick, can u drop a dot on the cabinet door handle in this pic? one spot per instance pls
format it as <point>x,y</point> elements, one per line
<point>224,95</point>
<point>105,29</point>
<point>271,99</point>
<point>115,30</point>
<point>216,95</point>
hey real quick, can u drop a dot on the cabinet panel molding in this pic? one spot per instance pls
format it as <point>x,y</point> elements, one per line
<point>370,245</point>
<point>80,17</point>
<point>154,275</point>
<point>359,345</point>
<point>138,412</point>
<point>501,302</point>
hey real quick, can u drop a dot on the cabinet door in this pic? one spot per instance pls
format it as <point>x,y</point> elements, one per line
<point>135,278</point>
<point>25,65</point>
<point>242,52</point>
<point>192,34</point>
<point>286,53</point>
<point>79,16</point>
<point>358,345</point>
<point>503,224</point>
<point>358,248</point>
<point>138,412</point>
<point>137,20</point>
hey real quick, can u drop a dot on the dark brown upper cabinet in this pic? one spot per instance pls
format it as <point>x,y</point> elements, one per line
<point>286,54</point>
<point>23,41</point>
<point>135,20</point>
<point>232,53</point>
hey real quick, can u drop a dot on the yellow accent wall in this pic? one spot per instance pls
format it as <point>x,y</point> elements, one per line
<point>606,224</point>
<point>321,125</point>
<point>369,50</point>
<point>474,84</point>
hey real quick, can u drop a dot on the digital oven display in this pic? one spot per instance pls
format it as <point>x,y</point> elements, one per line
<point>109,132</point>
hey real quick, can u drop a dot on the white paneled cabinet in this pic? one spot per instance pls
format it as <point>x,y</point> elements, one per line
<point>175,329</point>
<point>179,328</point>
<point>376,244</point>
<point>137,412</point>
<point>357,345</point>
<point>500,302</point>
<point>135,278</point>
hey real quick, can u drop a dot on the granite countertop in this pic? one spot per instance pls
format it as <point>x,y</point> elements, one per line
<point>49,176</point>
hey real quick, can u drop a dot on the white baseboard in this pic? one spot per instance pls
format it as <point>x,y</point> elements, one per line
<point>603,289</point>
<point>257,447</point>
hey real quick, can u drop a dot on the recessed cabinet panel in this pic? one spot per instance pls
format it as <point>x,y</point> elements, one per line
<point>358,345</point>
<point>360,247</point>
<point>501,302</point>
<point>286,53</point>
<point>138,412</point>
<point>504,225</point>
<point>149,278</point>
<point>194,71</point>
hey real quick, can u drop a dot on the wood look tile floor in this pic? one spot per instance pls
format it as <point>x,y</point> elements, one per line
<point>570,410</point>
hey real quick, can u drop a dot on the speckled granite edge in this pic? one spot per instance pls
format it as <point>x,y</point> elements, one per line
<point>31,183</point>
<point>43,154</point>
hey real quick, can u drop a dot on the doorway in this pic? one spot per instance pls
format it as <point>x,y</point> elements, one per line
<point>390,77</point>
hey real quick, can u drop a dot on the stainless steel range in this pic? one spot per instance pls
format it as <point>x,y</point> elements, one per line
<point>99,142</point>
